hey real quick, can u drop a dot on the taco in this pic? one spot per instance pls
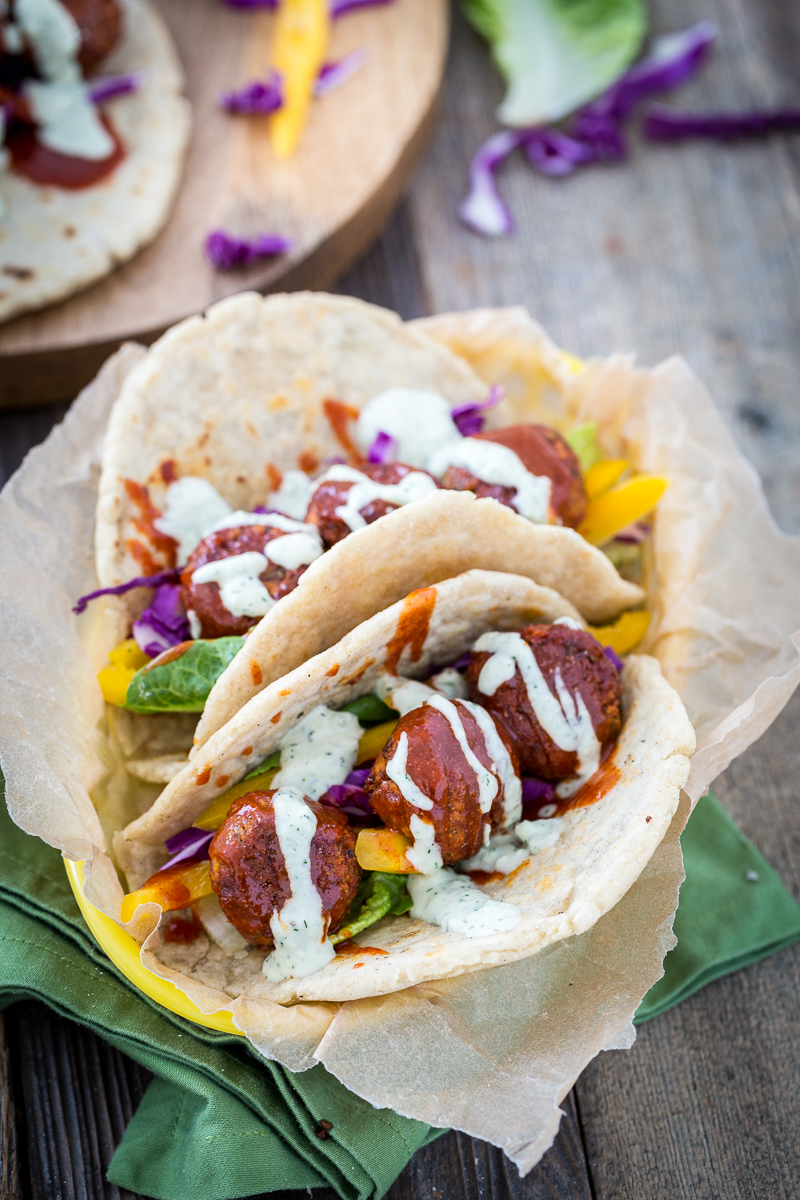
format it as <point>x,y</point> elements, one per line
<point>464,779</point>
<point>93,130</point>
<point>282,469</point>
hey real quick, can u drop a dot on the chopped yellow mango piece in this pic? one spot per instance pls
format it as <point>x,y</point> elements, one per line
<point>620,507</point>
<point>177,887</point>
<point>384,850</point>
<point>373,740</point>
<point>302,33</point>
<point>575,364</point>
<point>218,809</point>
<point>602,476</point>
<point>626,632</point>
<point>128,654</point>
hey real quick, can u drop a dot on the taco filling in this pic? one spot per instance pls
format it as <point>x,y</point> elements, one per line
<point>404,801</point>
<point>219,571</point>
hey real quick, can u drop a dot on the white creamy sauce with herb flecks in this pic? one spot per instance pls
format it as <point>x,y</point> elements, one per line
<point>503,854</point>
<point>451,683</point>
<point>193,507</point>
<point>537,835</point>
<point>301,943</point>
<point>319,752</point>
<point>396,770</point>
<point>294,495</point>
<point>563,717</point>
<point>425,854</point>
<point>402,695</point>
<point>419,421</point>
<point>240,589</point>
<point>493,463</point>
<point>570,622</point>
<point>487,783</point>
<point>413,486</point>
<point>294,550</point>
<point>66,117</point>
<point>457,905</point>
<point>239,518</point>
<point>502,764</point>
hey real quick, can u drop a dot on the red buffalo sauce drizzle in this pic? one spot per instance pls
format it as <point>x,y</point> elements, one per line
<point>144,523</point>
<point>594,789</point>
<point>339,417</point>
<point>481,877</point>
<point>181,930</point>
<point>351,947</point>
<point>412,627</point>
<point>47,167</point>
<point>173,891</point>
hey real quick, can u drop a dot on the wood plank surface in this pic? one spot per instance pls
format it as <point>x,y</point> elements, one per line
<point>691,249</point>
<point>332,197</point>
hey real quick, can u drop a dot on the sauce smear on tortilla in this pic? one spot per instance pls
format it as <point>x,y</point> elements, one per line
<point>47,167</point>
<point>412,627</point>
<point>339,417</point>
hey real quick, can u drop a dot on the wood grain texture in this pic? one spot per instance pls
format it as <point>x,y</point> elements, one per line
<point>332,197</point>
<point>10,1186</point>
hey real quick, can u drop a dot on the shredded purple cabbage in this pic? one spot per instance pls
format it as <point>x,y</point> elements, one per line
<point>101,90</point>
<point>633,534</point>
<point>469,417</point>
<point>351,800</point>
<point>460,664</point>
<point>358,777</point>
<point>333,74</point>
<point>226,251</point>
<point>163,623</point>
<point>152,581</point>
<point>188,846</point>
<point>595,133</point>
<point>383,449</point>
<point>338,8</point>
<point>665,124</point>
<point>255,99</point>
<point>536,789</point>
<point>613,658</point>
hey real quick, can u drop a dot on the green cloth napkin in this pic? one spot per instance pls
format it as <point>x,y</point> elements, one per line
<point>219,1123</point>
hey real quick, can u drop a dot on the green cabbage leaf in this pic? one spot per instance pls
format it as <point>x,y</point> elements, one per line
<point>182,684</point>
<point>379,894</point>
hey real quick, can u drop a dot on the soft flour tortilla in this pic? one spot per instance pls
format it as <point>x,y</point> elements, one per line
<point>53,242</point>
<point>225,394</point>
<point>561,891</point>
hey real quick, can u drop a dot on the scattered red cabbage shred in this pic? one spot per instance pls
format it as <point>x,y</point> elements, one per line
<point>382,449</point>
<point>255,99</point>
<point>152,581</point>
<point>469,418</point>
<point>665,124</point>
<point>226,251</point>
<point>190,845</point>
<point>333,74</point>
<point>163,623</point>
<point>101,90</point>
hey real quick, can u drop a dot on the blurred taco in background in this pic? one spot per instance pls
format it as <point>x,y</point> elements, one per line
<point>469,776</point>
<point>93,129</point>
<point>280,470</point>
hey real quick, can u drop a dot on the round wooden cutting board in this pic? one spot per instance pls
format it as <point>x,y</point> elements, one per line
<point>331,198</point>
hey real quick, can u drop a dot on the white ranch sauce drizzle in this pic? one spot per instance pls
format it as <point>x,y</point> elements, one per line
<point>503,854</point>
<point>412,487</point>
<point>293,550</point>
<point>451,683</point>
<point>193,508</point>
<point>240,589</point>
<point>493,463</point>
<point>419,421</point>
<point>563,717</point>
<point>397,772</point>
<point>537,835</point>
<point>487,783</point>
<point>457,905</point>
<point>319,752</point>
<point>301,943</point>
<point>501,762</point>
<point>67,120</point>
<point>294,495</point>
<point>425,854</point>
<point>274,520</point>
<point>402,695</point>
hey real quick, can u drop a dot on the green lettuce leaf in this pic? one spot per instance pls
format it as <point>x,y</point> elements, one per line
<point>583,440</point>
<point>370,710</point>
<point>557,54</point>
<point>182,684</point>
<point>269,764</point>
<point>378,895</point>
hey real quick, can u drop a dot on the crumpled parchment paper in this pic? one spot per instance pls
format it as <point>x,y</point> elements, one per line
<point>493,1052</point>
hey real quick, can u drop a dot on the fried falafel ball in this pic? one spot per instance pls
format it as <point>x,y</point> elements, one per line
<point>584,670</point>
<point>248,871</point>
<point>100,24</point>
<point>542,451</point>
<point>331,494</point>
<point>437,765</point>
<point>203,599</point>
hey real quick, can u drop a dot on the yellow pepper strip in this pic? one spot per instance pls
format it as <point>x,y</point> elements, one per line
<point>302,33</point>
<point>371,743</point>
<point>126,659</point>
<point>620,507</point>
<point>218,809</point>
<point>602,476</point>
<point>384,850</point>
<point>626,632</point>
<point>177,887</point>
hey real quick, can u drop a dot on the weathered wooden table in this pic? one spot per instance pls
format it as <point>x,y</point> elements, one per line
<point>692,249</point>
